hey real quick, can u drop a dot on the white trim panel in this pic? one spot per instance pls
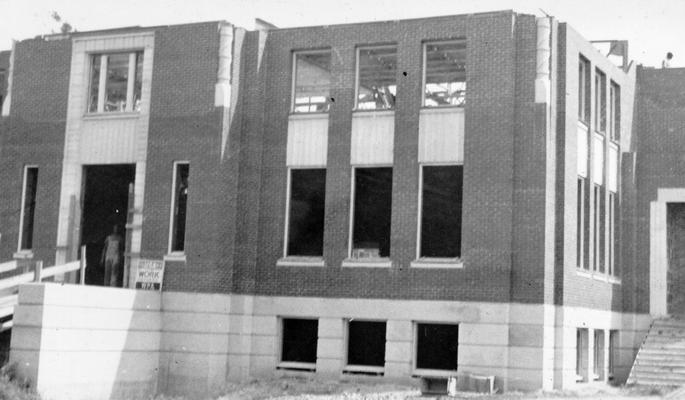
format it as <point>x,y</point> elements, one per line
<point>597,159</point>
<point>372,138</point>
<point>307,140</point>
<point>441,135</point>
<point>582,149</point>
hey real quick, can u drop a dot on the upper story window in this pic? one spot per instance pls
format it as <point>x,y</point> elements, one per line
<point>600,101</point>
<point>584,90</point>
<point>312,81</point>
<point>444,81</point>
<point>115,82</point>
<point>376,78</point>
<point>615,111</point>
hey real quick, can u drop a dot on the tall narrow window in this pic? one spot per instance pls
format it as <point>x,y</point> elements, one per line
<point>179,207</point>
<point>28,208</point>
<point>612,233</point>
<point>597,229</point>
<point>580,224</point>
<point>444,74</point>
<point>372,212</point>
<point>615,111</point>
<point>600,101</point>
<point>115,82</point>
<point>376,78</point>
<point>598,365</point>
<point>583,90</point>
<point>582,343</point>
<point>306,212</point>
<point>613,353</point>
<point>311,89</point>
<point>441,208</point>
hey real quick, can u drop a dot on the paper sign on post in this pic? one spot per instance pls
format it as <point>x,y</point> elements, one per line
<point>149,274</point>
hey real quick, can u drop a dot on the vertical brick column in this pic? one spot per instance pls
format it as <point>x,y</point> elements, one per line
<point>330,347</point>
<point>399,348</point>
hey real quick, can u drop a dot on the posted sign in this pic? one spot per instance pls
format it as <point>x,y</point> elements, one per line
<point>149,274</point>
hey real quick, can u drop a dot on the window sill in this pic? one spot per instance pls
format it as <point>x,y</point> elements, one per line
<point>364,369</point>
<point>372,113</point>
<point>112,115</point>
<point>308,115</point>
<point>175,257</point>
<point>298,366</point>
<point>300,262</point>
<point>433,373</point>
<point>367,263</point>
<point>439,109</point>
<point>437,263</point>
<point>598,276</point>
<point>23,255</point>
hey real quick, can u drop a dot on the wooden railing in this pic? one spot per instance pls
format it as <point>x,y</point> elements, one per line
<point>11,283</point>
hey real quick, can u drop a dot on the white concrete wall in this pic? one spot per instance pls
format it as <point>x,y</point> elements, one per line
<point>78,342</point>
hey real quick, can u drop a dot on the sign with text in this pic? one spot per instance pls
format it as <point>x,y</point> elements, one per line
<point>149,274</point>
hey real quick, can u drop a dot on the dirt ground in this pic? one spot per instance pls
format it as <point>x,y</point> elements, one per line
<point>309,389</point>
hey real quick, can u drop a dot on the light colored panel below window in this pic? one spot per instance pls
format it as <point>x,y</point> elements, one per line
<point>307,140</point>
<point>582,150</point>
<point>441,135</point>
<point>108,141</point>
<point>612,168</point>
<point>372,138</point>
<point>597,159</point>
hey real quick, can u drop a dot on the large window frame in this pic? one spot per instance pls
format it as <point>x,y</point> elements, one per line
<point>600,111</point>
<point>614,111</point>
<point>173,222</point>
<point>425,71</point>
<point>364,368</point>
<point>580,222</point>
<point>583,90</point>
<point>292,361</point>
<point>357,83</point>
<point>100,61</point>
<point>27,215</point>
<point>421,370</point>
<point>309,259</point>
<point>293,97</point>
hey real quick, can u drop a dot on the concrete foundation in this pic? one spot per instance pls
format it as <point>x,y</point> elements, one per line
<point>80,342</point>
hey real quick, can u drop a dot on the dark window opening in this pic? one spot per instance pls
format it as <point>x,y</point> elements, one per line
<point>372,212</point>
<point>312,82</point>
<point>441,211</point>
<point>613,243</point>
<point>377,78</point>
<point>580,222</point>
<point>437,346</point>
<point>306,214</point>
<point>445,75</point>
<point>613,353</point>
<point>615,111</point>
<point>584,90</point>
<point>299,340</point>
<point>180,206</point>
<point>366,343</point>
<point>28,207</point>
<point>600,101</point>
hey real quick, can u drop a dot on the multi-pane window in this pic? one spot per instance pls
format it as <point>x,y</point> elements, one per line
<point>306,212</point>
<point>179,206</point>
<point>600,101</point>
<point>372,211</point>
<point>441,209</point>
<point>115,82</point>
<point>300,338</point>
<point>580,224</point>
<point>437,346</point>
<point>366,343</point>
<point>583,90</point>
<point>28,208</point>
<point>376,78</point>
<point>615,111</point>
<point>311,87</point>
<point>444,74</point>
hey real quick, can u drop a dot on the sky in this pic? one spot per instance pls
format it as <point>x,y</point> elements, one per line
<point>652,27</point>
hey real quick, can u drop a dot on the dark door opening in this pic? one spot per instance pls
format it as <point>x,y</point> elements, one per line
<point>105,205</point>
<point>675,213</point>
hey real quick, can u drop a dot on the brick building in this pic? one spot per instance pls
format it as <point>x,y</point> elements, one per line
<point>405,198</point>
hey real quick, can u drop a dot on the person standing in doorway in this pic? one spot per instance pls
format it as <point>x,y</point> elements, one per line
<point>112,257</point>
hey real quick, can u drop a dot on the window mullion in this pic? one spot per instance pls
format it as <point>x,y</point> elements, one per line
<point>103,81</point>
<point>131,81</point>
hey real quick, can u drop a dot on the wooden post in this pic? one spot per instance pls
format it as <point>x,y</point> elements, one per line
<point>82,270</point>
<point>38,271</point>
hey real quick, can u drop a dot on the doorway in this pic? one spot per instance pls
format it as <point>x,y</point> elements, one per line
<point>105,205</point>
<point>675,288</point>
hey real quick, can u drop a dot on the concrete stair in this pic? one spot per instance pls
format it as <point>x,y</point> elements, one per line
<point>661,359</point>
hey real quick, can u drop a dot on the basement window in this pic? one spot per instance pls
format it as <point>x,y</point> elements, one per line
<point>444,74</point>
<point>365,347</point>
<point>28,208</point>
<point>306,212</point>
<point>372,209</point>
<point>437,346</point>
<point>311,88</point>
<point>600,101</point>
<point>299,345</point>
<point>179,207</point>
<point>376,78</point>
<point>115,82</point>
<point>441,209</point>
